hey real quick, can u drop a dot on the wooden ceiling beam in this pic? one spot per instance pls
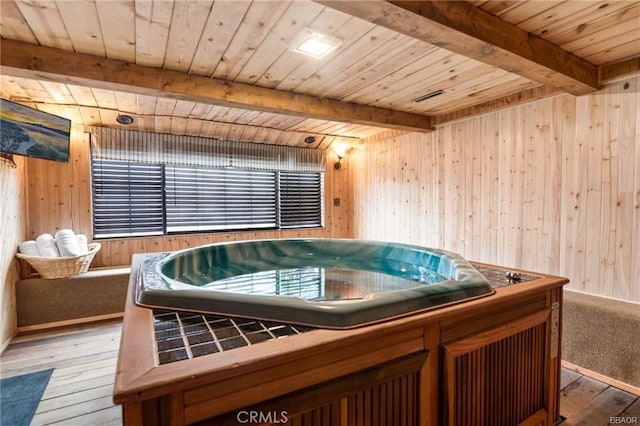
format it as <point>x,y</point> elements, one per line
<point>462,28</point>
<point>42,63</point>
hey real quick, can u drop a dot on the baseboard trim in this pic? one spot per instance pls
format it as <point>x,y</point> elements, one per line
<point>7,341</point>
<point>49,325</point>
<point>602,378</point>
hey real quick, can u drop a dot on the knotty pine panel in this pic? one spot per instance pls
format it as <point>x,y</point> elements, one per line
<point>59,196</point>
<point>551,186</point>
<point>12,231</point>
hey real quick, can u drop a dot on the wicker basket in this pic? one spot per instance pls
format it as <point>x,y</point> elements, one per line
<point>60,267</point>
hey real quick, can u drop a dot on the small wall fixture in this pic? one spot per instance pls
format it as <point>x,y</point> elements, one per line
<point>340,150</point>
<point>338,165</point>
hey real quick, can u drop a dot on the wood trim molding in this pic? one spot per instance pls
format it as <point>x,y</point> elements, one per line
<point>601,378</point>
<point>27,60</point>
<point>341,388</point>
<point>7,341</point>
<point>462,28</point>
<point>519,98</point>
<point>615,71</point>
<point>495,334</point>
<point>384,135</point>
<point>66,323</point>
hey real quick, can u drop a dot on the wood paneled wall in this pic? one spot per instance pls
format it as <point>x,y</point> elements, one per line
<point>12,232</point>
<point>59,196</point>
<point>552,186</point>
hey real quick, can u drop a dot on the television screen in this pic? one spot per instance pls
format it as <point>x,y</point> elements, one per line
<point>32,133</point>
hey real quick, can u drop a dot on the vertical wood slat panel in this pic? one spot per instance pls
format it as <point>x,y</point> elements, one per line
<point>327,415</point>
<point>394,402</point>
<point>13,209</point>
<point>558,184</point>
<point>56,192</point>
<point>634,132</point>
<point>500,383</point>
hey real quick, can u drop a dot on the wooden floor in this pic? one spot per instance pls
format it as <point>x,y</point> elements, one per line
<point>84,358</point>
<point>80,388</point>
<point>588,402</point>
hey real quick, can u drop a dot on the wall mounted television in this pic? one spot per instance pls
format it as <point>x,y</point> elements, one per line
<point>32,133</point>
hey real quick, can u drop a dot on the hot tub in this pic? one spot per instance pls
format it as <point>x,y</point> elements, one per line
<point>330,283</point>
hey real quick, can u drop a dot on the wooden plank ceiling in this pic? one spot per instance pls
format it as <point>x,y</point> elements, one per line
<point>228,68</point>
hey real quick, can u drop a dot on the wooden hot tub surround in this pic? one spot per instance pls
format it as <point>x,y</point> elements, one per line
<point>493,360</point>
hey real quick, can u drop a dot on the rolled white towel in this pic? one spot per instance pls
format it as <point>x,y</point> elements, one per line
<point>83,244</point>
<point>30,248</point>
<point>67,243</point>
<point>47,246</point>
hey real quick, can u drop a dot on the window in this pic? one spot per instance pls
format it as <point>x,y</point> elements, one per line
<point>300,199</point>
<point>200,199</point>
<point>127,199</point>
<point>158,184</point>
<point>135,199</point>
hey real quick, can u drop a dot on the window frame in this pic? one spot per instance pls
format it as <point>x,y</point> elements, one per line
<point>319,176</point>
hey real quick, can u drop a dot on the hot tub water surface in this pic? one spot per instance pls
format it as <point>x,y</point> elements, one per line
<point>333,283</point>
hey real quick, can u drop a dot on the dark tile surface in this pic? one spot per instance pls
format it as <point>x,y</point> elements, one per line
<point>499,277</point>
<point>184,335</point>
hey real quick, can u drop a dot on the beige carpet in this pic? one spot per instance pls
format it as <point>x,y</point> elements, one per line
<point>602,335</point>
<point>97,292</point>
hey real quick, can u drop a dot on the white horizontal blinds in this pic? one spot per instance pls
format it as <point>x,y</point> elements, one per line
<point>119,144</point>
<point>301,200</point>
<point>201,199</point>
<point>127,199</point>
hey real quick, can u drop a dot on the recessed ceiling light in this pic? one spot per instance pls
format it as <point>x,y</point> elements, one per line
<point>316,44</point>
<point>124,119</point>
